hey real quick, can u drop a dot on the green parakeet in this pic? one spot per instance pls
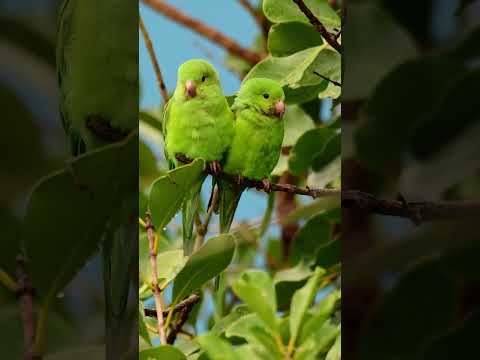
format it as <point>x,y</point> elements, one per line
<point>199,124</point>
<point>256,146</point>
<point>97,67</point>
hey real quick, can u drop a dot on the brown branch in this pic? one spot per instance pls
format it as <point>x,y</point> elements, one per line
<point>182,318</point>
<point>188,302</point>
<point>285,205</point>
<point>210,33</point>
<point>153,58</point>
<point>203,228</point>
<point>329,37</point>
<point>257,15</point>
<point>263,185</point>
<point>156,289</point>
<point>417,212</point>
<point>25,294</point>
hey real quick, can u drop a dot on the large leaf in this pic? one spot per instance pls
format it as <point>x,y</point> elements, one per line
<point>206,263</point>
<point>314,235</point>
<point>288,38</point>
<point>287,10</point>
<point>161,353</point>
<point>309,147</point>
<point>318,342</point>
<point>296,122</point>
<point>216,348</point>
<point>257,290</point>
<point>168,192</point>
<point>68,213</point>
<point>301,301</point>
<point>335,352</point>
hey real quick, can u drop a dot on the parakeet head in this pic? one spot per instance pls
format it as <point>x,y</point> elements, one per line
<point>197,77</point>
<point>265,95</point>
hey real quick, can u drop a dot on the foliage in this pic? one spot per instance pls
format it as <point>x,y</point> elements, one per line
<point>257,300</point>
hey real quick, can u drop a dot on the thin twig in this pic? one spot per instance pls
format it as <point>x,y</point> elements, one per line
<point>210,33</point>
<point>181,320</point>
<point>153,58</point>
<point>25,294</point>
<point>262,186</point>
<point>189,301</point>
<point>417,212</point>
<point>328,79</point>
<point>202,230</point>
<point>156,289</point>
<point>317,24</point>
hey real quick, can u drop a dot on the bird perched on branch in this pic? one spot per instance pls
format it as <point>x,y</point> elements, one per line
<point>256,146</point>
<point>199,124</point>
<point>97,68</point>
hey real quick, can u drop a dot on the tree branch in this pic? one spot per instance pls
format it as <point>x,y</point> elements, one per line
<point>188,302</point>
<point>257,15</point>
<point>25,294</point>
<point>156,289</point>
<point>263,186</point>
<point>182,318</point>
<point>210,33</point>
<point>153,58</point>
<point>329,37</point>
<point>417,212</point>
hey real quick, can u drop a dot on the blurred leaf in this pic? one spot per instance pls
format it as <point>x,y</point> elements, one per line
<point>421,305</point>
<point>329,254</point>
<point>152,117</point>
<point>371,30</point>
<point>309,147</point>
<point>319,315</point>
<point>469,48</point>
<point>313,208</point>
<point>162,353</point>
<point>318,342</point>
<point>69,210</point>
<point>286,10</point>
<point>20,34</point>
<point>335,352</point>
<point>328,173</point>
<point>296,123</point>
<point>290,37</point>
<point>459,343</point>
<point>10,241</point>
<point>389,122</point>
<point>90,353</point>
<point>206,263</point>
<point>147,162</point>
<point>290,280</point>
<point>257,290</point>
<point>142,328</point>
<point>216,348</point>
<point>251,328</point>
<point>301,301</point>
<point>168,192</point>
<point>314,235</point>
<point>236,313</point>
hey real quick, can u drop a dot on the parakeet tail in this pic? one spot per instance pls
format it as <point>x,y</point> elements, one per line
<point>229,197</point>
<point>190,208</point>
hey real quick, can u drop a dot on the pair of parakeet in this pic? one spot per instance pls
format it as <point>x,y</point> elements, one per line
<point>244,139</point>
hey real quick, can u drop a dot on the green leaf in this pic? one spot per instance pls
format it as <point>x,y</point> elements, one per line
<point>296,123</point>
<point>327,174</point>
<point>301,301</point>
<point>216,348</point>
<point>162,353</point>
<point>318,342</point>
<point>69,211</point>
<point>170,262</point>
<point>168,192</point>
<point>320,314</point>
<point>206,263</point>
<point>329,255</point>
<point>314,235</point>
<point>319,206</point>
<point>286,10</point>
<point>142,327</point>
<point>288,38</point>
<point>148,165</point>
<point>257,290</point>
<point>335,352</point>
<point>290,280</point>
<point>236,313</point>
<point>251,328</point>
<point>309,147</point>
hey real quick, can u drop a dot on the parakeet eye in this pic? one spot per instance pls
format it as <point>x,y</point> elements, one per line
<point>204,77</point>
<point>266,96</point>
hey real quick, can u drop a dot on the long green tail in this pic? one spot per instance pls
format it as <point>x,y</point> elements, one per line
<point>229,197</point>
<point>189,210</point>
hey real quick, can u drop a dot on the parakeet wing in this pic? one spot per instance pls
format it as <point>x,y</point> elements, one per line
<point>166,118</point>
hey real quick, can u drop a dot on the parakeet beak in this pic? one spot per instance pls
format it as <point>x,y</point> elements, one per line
<point>190,89</point>
<point>279,109</point>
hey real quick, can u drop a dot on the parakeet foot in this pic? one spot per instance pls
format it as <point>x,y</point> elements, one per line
<point>267,185</point>
<point>215,167</point>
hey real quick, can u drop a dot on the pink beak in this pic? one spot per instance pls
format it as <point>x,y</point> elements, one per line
<point>279,109</point>
<point>190,89</point>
